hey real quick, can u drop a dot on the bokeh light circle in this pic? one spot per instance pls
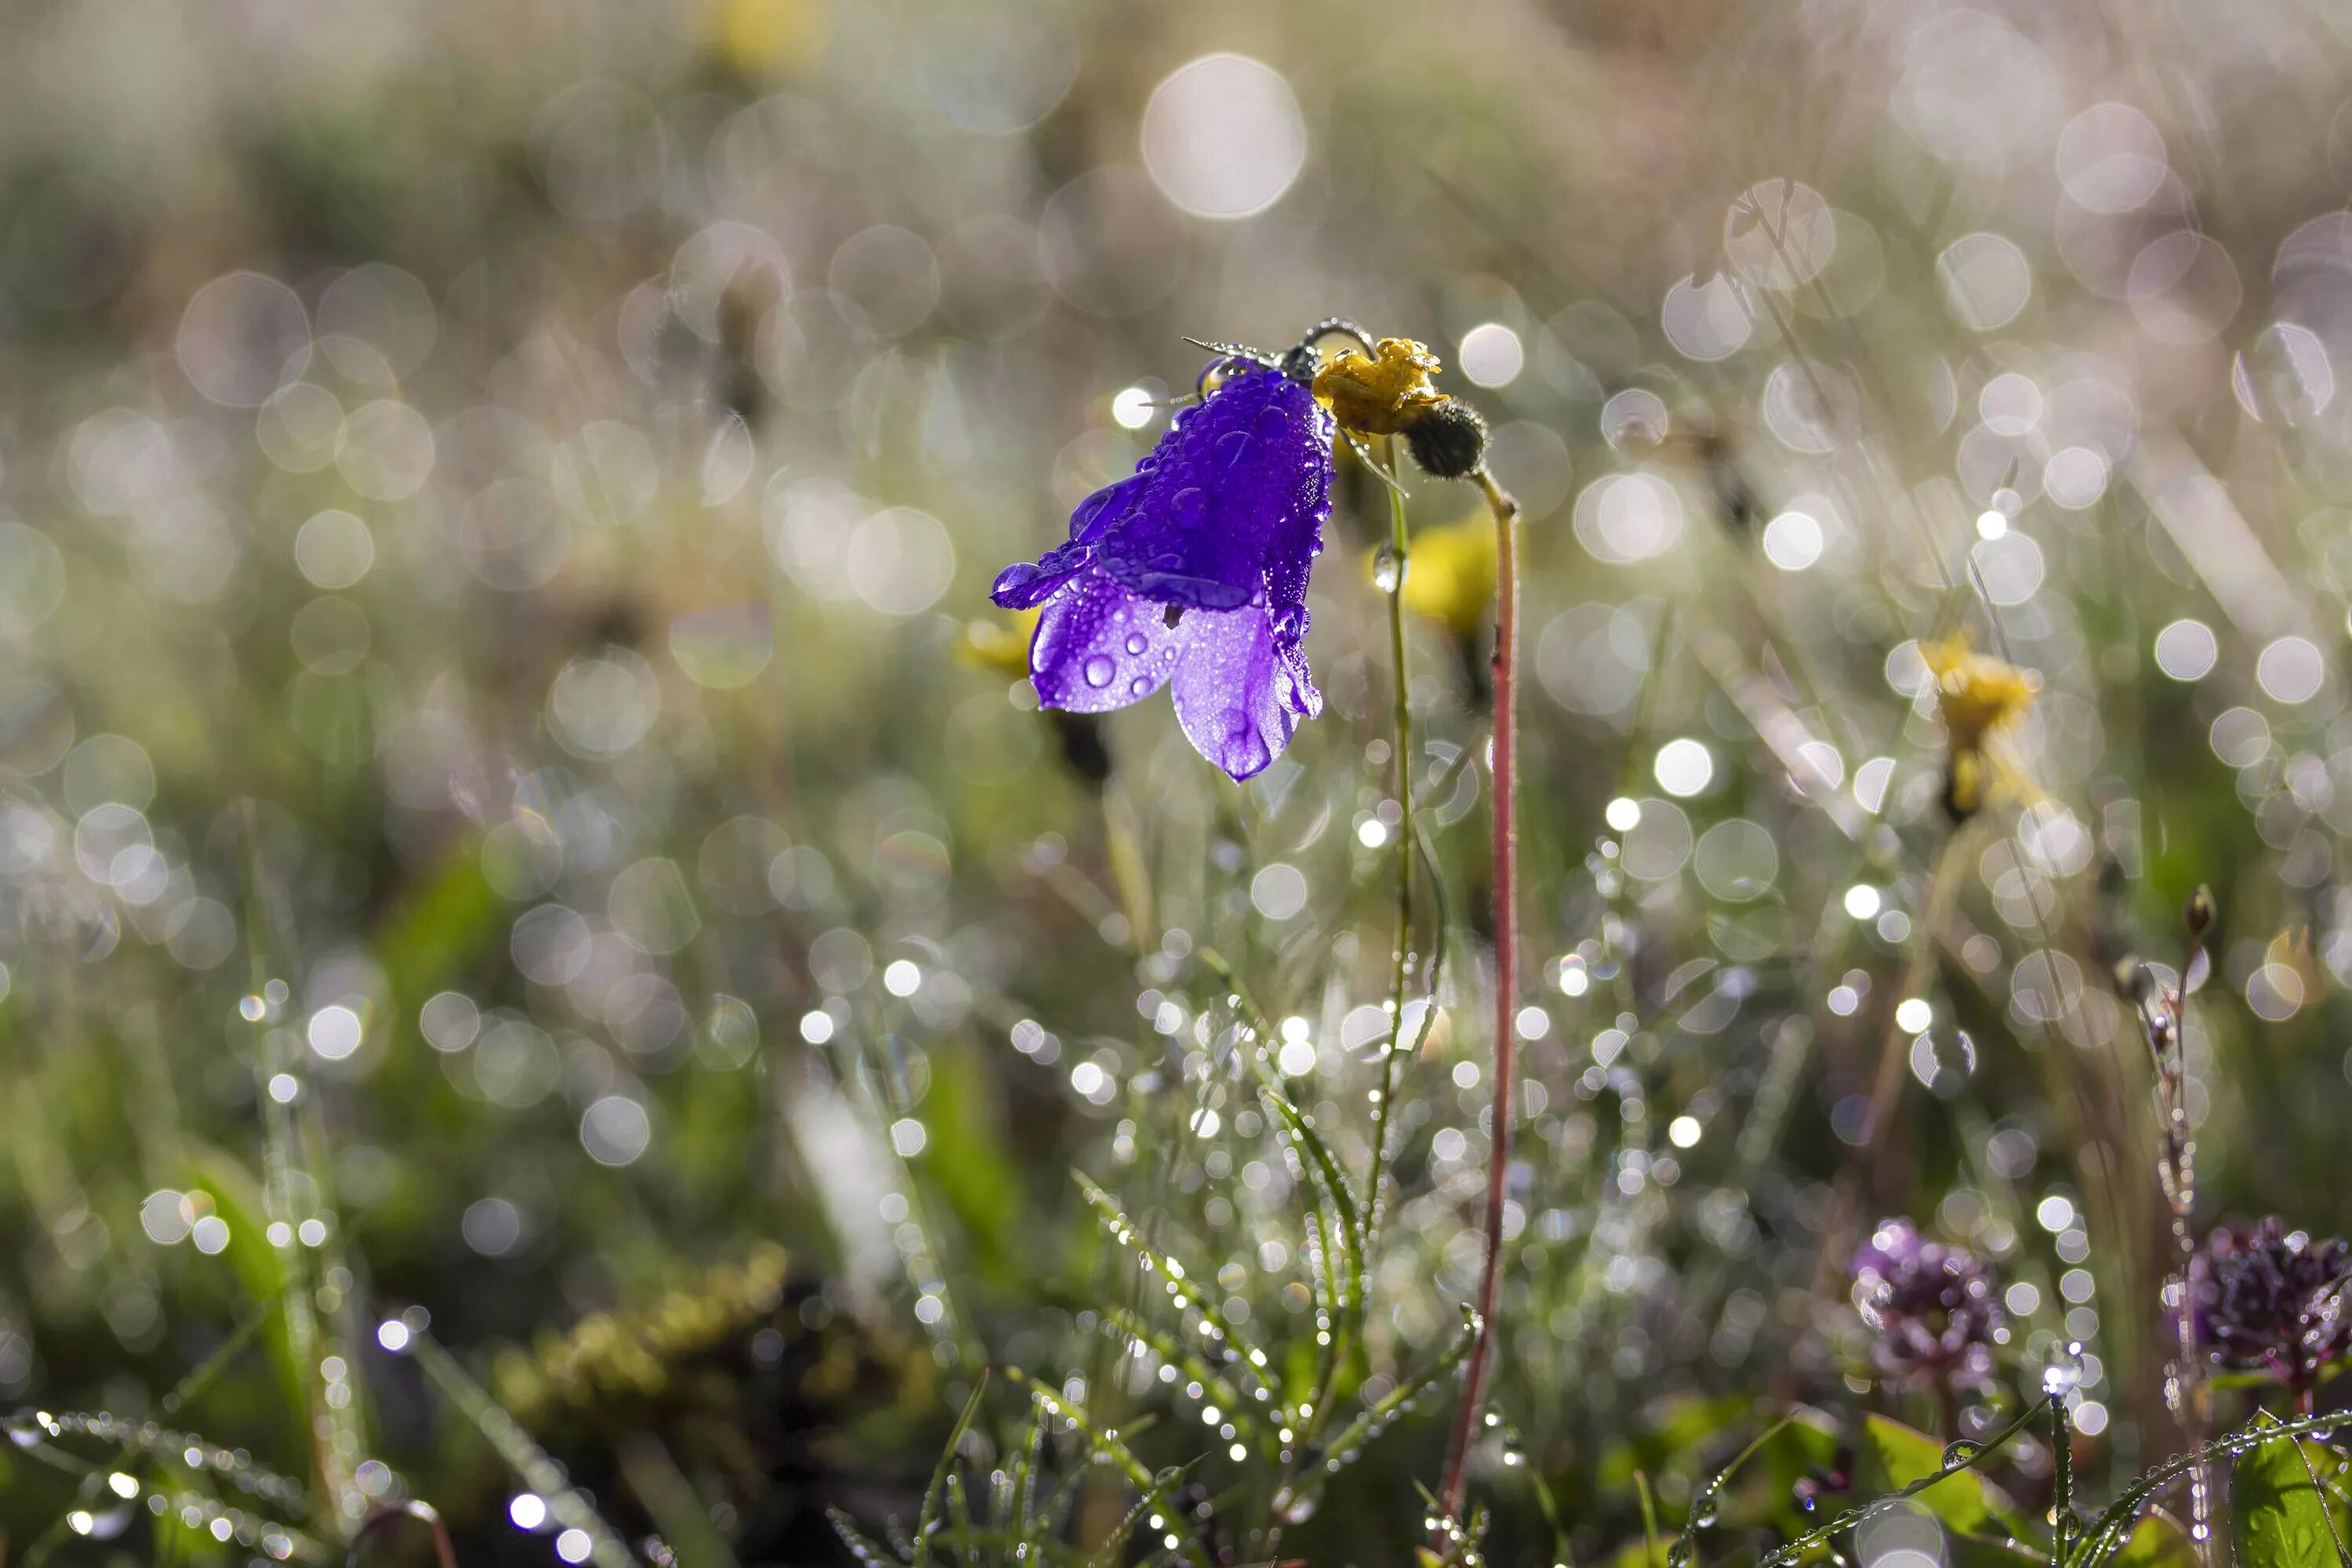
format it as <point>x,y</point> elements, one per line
<point>1223,136</point>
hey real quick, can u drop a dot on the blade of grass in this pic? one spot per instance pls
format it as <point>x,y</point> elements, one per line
<point>929,1519</point>
<point>529,1462</point>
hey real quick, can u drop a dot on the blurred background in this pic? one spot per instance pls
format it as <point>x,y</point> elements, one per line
<point>520,832</point>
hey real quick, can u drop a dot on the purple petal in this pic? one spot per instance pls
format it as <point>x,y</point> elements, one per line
<point>1023,585</point>
<point>1235,496</point>
<point>1101,645</point>
<point>1230,691</point>
<point>1298,685</point>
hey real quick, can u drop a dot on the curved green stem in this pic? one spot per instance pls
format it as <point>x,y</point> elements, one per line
<point>1401,763</point>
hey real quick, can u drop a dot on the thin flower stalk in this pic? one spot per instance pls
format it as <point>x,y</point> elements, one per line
<point>2158,1008</point>
<point>1507,929</point>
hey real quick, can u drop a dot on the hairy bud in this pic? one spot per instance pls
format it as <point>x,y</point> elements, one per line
<point>1448,441</point>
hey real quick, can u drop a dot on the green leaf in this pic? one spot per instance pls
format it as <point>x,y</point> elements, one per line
<point>1671,1435</point>
<point>2277,1510</point>
<point>259,1267</point>
<point>1804,1446</point>
<point>2157,1542</point>
<point>1982,1551</point>
<point>1893,1456</point>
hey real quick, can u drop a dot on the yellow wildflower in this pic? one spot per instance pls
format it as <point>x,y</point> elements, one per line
<point>1450,573</point>
<point>1977,694</point>
<point>998,644</point>
<point>764,36</point>
<point>1380,396</point>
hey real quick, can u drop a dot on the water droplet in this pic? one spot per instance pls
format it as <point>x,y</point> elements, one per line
<point>1013,580</point>
<point>1190,504</point>
<point>2064,1371</point>
<point>1956,1453</point>
<point>1388,572</point>
<point>1098,670</point>
<point>1138,687</point>
<point>1233,448</point>
<point>1137,642</point>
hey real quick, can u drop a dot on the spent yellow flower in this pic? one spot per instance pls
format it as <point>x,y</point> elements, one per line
<point>1381,394</point>
<point>1450,573</point>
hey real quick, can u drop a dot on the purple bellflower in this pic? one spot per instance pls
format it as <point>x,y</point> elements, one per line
<point>1933,1307</point>
<point>1191,573</point>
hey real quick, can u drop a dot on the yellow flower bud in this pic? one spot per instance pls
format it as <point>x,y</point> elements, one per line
<point>1450,573</point>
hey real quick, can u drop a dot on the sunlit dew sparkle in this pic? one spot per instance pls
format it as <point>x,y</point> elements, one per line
<point>1132,407</point>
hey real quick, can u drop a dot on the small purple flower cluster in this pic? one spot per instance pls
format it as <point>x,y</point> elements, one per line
<point>2263,1297</point>
<point>1933,1307</point>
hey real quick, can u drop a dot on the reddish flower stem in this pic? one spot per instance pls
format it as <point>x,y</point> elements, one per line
<point>1507,930</point>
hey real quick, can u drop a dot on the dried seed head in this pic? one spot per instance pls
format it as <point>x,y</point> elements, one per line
<point>1448,441</point>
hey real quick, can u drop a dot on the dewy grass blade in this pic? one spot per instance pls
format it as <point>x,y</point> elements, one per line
<point>1103,1442</point>
<point>537,1469</point>
<point>1152,1498</point>
<point>1234,1349</point>
<point>1221,1394</point>
<point>929,1519</point>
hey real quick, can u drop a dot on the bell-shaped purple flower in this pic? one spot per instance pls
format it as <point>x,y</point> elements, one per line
<point>1933,1307</point>
<point>1192,574</point>
<point>2261,1296</point>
